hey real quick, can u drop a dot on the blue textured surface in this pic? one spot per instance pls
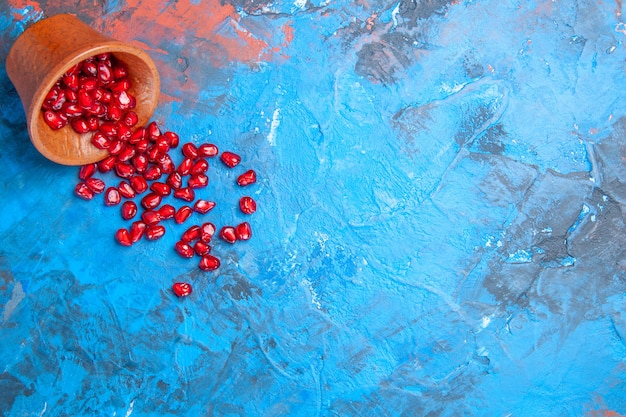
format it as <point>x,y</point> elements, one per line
<point>440,232</point>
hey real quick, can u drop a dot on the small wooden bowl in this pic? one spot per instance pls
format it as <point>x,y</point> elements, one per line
<point>44,52</point>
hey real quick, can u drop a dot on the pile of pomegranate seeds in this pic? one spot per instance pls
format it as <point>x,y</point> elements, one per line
<point>93,97</point>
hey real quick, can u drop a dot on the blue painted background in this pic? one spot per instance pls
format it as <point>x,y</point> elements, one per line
<point>440,227</point>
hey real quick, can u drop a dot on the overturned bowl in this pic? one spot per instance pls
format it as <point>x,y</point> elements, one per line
<point>44,52</point>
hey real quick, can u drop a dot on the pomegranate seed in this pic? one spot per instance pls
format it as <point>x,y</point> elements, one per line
<point>247,205</point>
<point>72,109</point>
<point>189,150</point>
<point>126,190</point>
<point>109,129</point>
<point>130,119</point>
<point>116,147</point>
<point>105,74</point>
<point>97,109</point>
<point>89,84</point>
<point>191,234</point>
<point>175,180</point>
<point>95,184</point>
<point>124,169</point>
<point>80,125</point>
<point>247,178</point>
<point>201,248</point>
<point>94,123</point>
<point>62,97</point>
<point>207,150</point>
<point>85,100</point>
<point>71,80</point>
<point>198,181</point>
<point>155,232</point>
<point>124,100</point>
<point>83,191</point>
<point>184,249</point>
<point>87,171</point>
<point>243,231</point>
<point>123,132</point>
<point>172,139</point>
<point>138,135</point>
<point>201,166</point>
<point>152,173</point>
<point>139,184</point>
<point>120,70</point>
<point>142,145</point>
<point>162,145</point>
<point>181,289</point>
<point>123,236</point>
<point>230,159</point>
<point>105,56</point>
<point>151,201</point>
<point>209,263</point>
<point>112,196</point>
<point>167,211</point>
<point>185,166</point>
<point>153,131</point>
<point>229,234</point>
<point>186,193</point>
<point>100,141</point>
<point>89,67</point>
<point>140,162</point>
<point>120,85</point>
<point>107,164</point>
<point>151,217</point>
<point>137,230</point>
<point>182,214</point>
<point>207,230</point>
<point>153,153</point>
<point>129,210</point>
<point>54,119</point>
<point>161,188</point>
<point>203,206</point>
<point>113,112</point>
<point>126,154</point>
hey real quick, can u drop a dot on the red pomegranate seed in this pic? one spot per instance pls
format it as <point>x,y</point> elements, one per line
<point>89,84</point>
<point>89,67</point>
<point>172,139</point>
<point>105,75</point>
<point>85,100</point>
<point>247,178</point>
<point>203,206</point>
<point>83,191</point>
<point>184,249</point>
<point>152,173</point>
<point>230,159</point>
<point>124,100</point>
<point>198,181</point>
<point>124,169</point>
<point>130,119</point>
<point>97,109</point>
<point>129,210</point>
<point>120,85</point>
<point>189,150</point>
<point>62,97</point>
<point>207,230</point>
<point>166,163</point>
<point>162,145</point>
<point>123,132</point>
<point>55,120</point>
<point>167,211</point>
<point>137,230</point>
<point>153,153</point>
<point>182,214</point>
<point>181,289</point>
<point>112,196</point>
<point>123,237</point>
<point>105,56</point>
<point>80,125</point>
<point>161,188</point>
<point>86,171</point>
<point>120,70</point>
<point>116,147</point>
<point>229,234</point>
<point>155,232</point>
<point>138,135</point>
<point>139,184</point>
<point>71,80</point>
<point>247,205</point>
<point>140,162</point>
<point>107,164</point>
<point>243,231</point>
<point>175,180</point>
<point>113,112</point>
<point>150,201</point>
<point>94,123</point>
<point>151,217</point>
<point>126,190</point>
<point>201,248</point>
<point>153,131</point>
<point>100,141</point>
<point>207,150</point>
<point>186,193</point>
<point>127,153</point>
<point>72,109</point>
<point>109,129</point>
<point>142,146</point>
<point>95,184</point>
<point>191,234</point>
<point>185,166</point>
<point>209,263</point>
<point>201,166</point>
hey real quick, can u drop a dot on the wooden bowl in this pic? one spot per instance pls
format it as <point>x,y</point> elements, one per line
<point>44,52</point>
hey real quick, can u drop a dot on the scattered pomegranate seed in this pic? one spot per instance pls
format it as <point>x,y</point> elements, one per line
<point>161,188</point>
<point>152,173</point>
<point>184,168</point>
<point>123,236</point>
<point>112,196</point>
<point>191,234</point>
<point>203,206</point>
<point>95,184</point>
<point>107,164</point>
<point>124,169</point>
<point>199,167</point>
<point>209,263</point>
<point>198,181</point>
<point>126,190</point>
<point>201,248</point>
<point>229,234</point>
<point>129,210</point>
<point>208,150</point>
<point>172,139</point>
<point>207,230</point>
<point>243,231</point>
<point>137,230</point>
<point>247,178</point>
<point>181,289</point>
<point>247,205</point>
<point>182,214</point>
<point>167,211</point>
<point>184,249</point>
<point>175,180</point>
<point>83,191</point>
<point>139,184</point>
<point>154,232</point>
<point>153,131</point>
<point>230,159</point>
<point>189,150</point>
<point>186,193</point>
<point>86,171</point>
<point>151,217</point>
